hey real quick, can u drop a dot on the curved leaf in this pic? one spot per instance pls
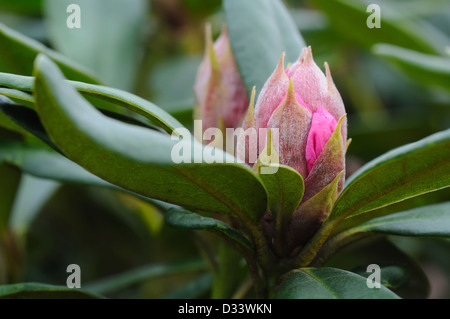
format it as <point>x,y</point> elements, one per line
<point>139,159</point>
<point>30,290</point>
<point>426,68</point>
<point>183,219</point>
<point>116,96</point>
<point>402,173</point>
<point>329,283</point>
<point>17,53</point>
<point>47,164</point>
<point>348,17</point>
<point>431,220</point>
<point>399,272</point>
<point>260,30</point>
<point>284,192</point>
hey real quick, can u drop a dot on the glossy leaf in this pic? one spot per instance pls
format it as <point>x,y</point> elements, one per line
<point>260,30</point>
<point>118,97</point>
<point>31,290</point>
<point>141,160</point>
<point>329,283</point>
<point>402,173</point>
<point>431,220</point>
<point>349,19</point>
<point>398,271</point>
<point>284,192</point>
<point>106,43</point>
<point>26,118</point>
<point>426,68</point>
<point>17,53</point>
<point>47,164</point>
<point>183,219</point>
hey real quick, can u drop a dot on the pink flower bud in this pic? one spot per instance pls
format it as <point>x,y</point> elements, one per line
<point>221,97</point>
<point>322,125</point>
<point>304,104</point>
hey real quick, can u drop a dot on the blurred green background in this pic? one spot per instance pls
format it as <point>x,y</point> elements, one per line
<point>153,49</point>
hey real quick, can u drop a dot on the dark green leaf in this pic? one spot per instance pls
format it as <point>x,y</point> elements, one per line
<point>183,219</point>
<point>284,192</point>
<point>431,220</point>
<point>349,19</point>
<point>47,164</point>
<point>17,53</point>
<point>31,290</point>
<point>402,173</point>
<point>329,283</point>
<point>26,118</point>
<point>260,30</point>
<point>118,97</point>
<point>139,159</point>
<point>425,68</point>
<point>399,272</point>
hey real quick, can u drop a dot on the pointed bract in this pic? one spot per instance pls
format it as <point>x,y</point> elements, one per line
<point>293,122</point>
<point>271,95</point>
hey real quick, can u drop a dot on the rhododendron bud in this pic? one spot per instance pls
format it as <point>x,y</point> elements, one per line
<point>221,97</point>
<point>305,106</point>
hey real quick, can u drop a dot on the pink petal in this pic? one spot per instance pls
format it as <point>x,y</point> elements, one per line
<point>323,125</point>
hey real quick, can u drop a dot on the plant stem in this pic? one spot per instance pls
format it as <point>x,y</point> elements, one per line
<point>311,249</point>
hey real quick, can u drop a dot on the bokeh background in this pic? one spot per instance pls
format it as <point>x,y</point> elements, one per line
<point>153,49</point>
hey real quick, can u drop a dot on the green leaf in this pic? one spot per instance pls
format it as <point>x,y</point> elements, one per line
<point>402,173</point>
<point>47,164</point>
<point>349,19</point>
<point>17,95</point>
<point>30,290</point>
<point>31,7</point>
<point>284,192</point>
<point>139,159</point>
<point>108,43</point>
<point>118,97</point>
<point>433,220</point>
<point>32,195</point>
<point>329,283</point>
<point>399,272</point>
<point>138,275</point>
<point>27,119</point>
<point>260,30</point>
<point>426,68</point>
<point>17,53</point>
<point>183,219</point>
